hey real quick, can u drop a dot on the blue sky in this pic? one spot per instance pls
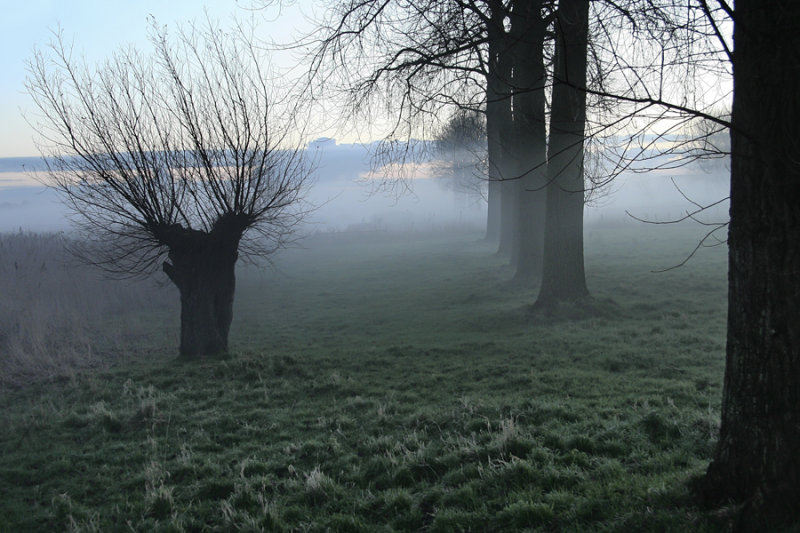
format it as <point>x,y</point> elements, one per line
<point>96,27</point>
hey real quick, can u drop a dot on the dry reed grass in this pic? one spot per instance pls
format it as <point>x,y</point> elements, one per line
<point>58,316</point>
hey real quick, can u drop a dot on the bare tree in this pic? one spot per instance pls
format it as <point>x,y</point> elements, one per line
<point>461,144</point>
<point>172,160</point>
<point>420,60</point>
<point>755,462</point>
<point>406,66</point>
<point>563,273</point>
<point>526,38</point>
<point>416,59</point>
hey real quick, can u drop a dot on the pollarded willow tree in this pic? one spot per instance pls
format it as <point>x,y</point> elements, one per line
<point>172,160</point>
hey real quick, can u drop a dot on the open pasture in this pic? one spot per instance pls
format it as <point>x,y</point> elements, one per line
<point>380,382</point>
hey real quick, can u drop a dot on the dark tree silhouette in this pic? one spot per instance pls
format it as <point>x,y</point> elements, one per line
<point>498,120</point>
<point>425,57</point>
<point>563,275</point>
<point>756,459</point>
<point>526,43</point>
<point>172,160</point>
<point>461,146</point>
<point>419,59</point>
<point>502,222</point>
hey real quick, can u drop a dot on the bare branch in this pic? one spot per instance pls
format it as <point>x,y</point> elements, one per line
<point>185,137</point>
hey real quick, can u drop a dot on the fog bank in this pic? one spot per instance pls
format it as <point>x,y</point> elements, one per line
<point>344,197</point>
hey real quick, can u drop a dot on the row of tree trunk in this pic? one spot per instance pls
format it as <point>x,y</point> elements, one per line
<point>536,180</point>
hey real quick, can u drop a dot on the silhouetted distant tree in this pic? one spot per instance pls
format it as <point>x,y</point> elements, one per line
<point>172,160</point>
<point>461,144</point>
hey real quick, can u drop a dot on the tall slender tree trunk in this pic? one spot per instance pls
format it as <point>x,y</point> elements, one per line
<point>757,459</point>
<point>508,190</point>
<point>529,79</point>
<point>504,166</point>
<point>202,267</point>
<point>516,189</point>
<point>495,114</point>
<point>563,274</point>
<point>494,204</point>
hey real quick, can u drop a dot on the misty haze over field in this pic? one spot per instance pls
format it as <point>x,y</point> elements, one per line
<point>346,198</point>
<point>375,265</point>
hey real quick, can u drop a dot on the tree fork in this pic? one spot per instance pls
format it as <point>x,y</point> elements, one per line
<point>202,267</point>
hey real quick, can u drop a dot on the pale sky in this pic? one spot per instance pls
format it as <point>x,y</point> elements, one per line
<point>97,27</point>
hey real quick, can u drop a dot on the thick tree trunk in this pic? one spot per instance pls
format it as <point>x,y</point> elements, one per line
<point>202,266</point>
<point>757,459</point>
<point>563,275</point>
<point>529,79</point>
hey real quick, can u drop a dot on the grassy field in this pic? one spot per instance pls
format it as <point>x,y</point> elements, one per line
<point>379,383</point>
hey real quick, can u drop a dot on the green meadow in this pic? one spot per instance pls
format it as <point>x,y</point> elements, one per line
<point>381,382</point>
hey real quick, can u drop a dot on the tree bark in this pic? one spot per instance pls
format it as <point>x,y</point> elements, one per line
<point>563,274</point>
<point>202,267</point>
<point>756,461</point>
<point>508,207</point>
<point>530,141</point>
<point>495,114</point>
<point>494,205</point>
<point>498,123</point>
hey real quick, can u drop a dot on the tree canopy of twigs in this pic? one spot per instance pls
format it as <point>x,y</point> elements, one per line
<point>461,143</point>
<point>399,68</point>
<point>186,136</point>
<point>663,74</point>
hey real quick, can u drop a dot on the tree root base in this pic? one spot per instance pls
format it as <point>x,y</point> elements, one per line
<point>774,509</point>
